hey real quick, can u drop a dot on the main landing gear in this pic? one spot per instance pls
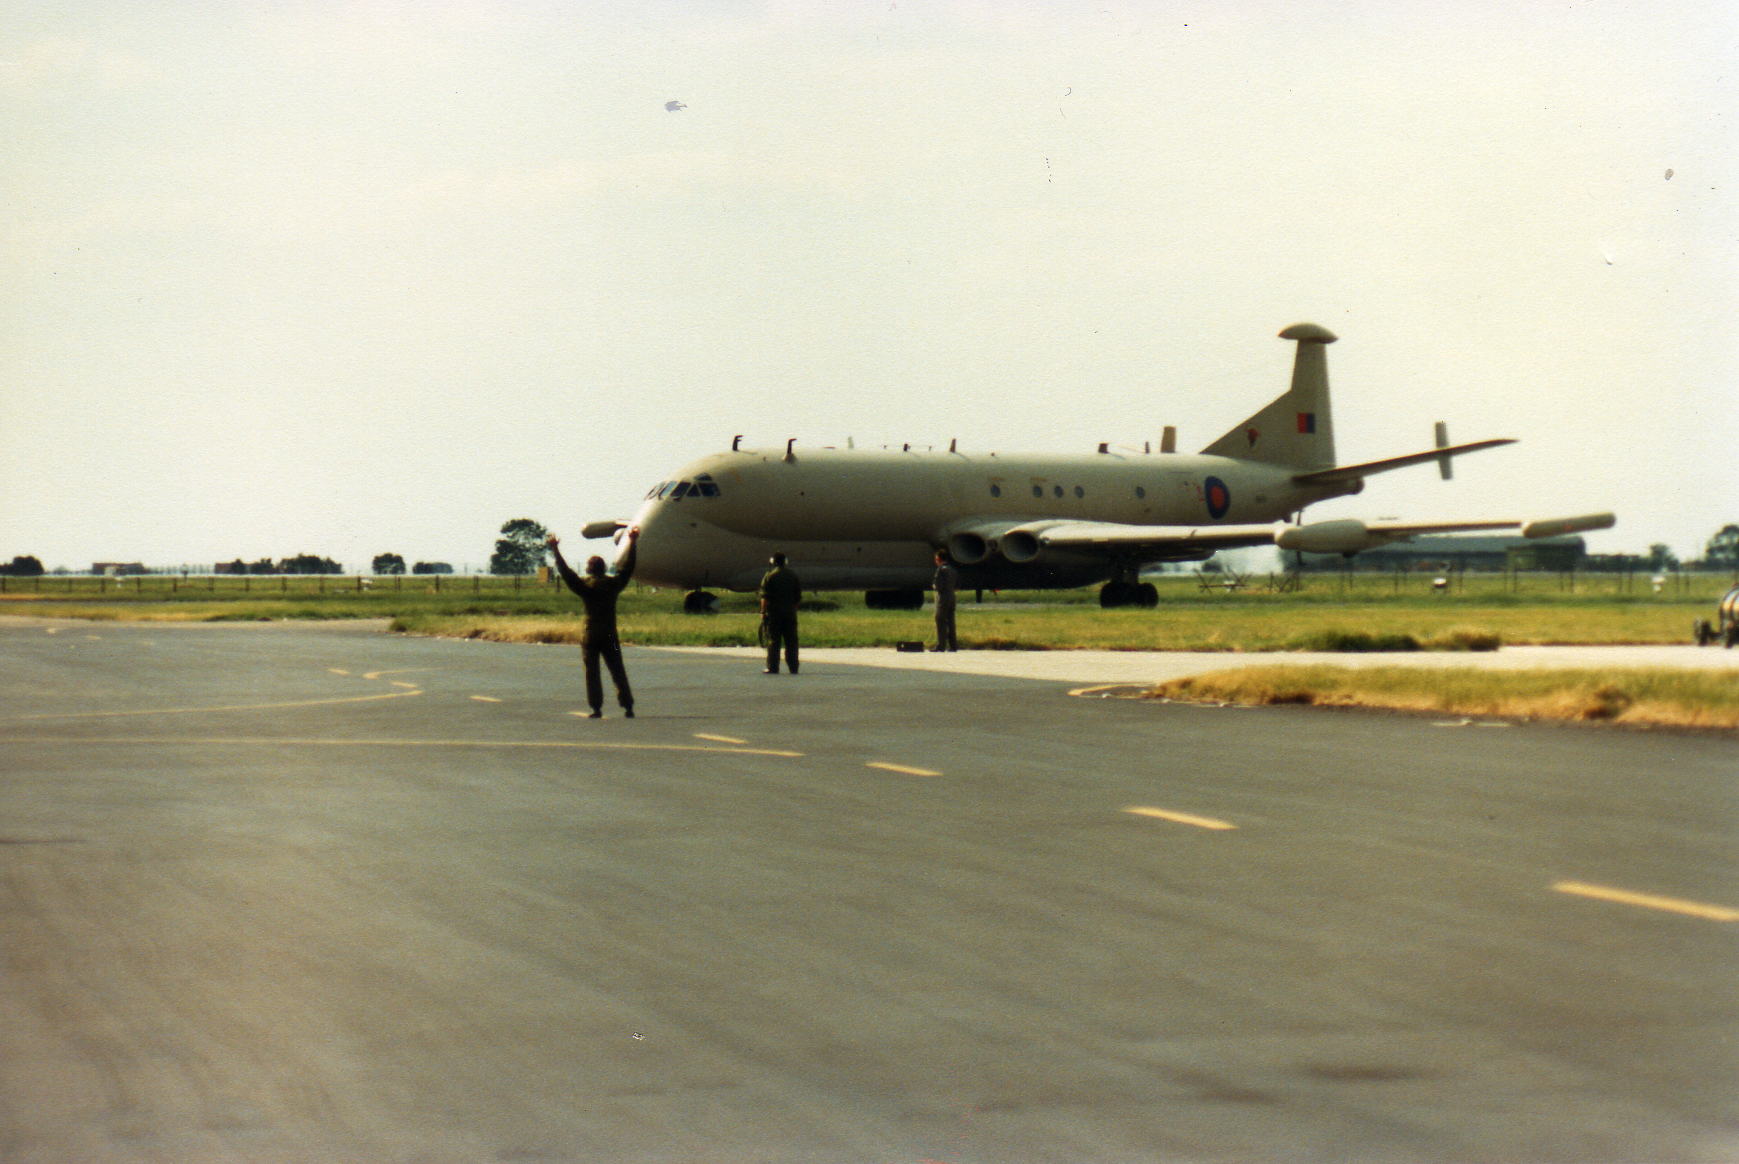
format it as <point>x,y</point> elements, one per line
<point>1122,592</point>
<point>700,602</point>
<point>894,599</point>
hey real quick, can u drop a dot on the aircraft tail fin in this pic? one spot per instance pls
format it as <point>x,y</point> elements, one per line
<point>1295,429</point>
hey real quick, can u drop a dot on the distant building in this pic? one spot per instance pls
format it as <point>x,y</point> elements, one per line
<point>1446,554</point>
<point>117,569</point>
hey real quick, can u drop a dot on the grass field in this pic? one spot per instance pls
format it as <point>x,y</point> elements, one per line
<point>1331,612</point>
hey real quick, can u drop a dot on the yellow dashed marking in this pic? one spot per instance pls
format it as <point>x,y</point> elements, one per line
<point>715,739</point>
<point>337,671</point>
<point>395,671</point>
<point>1200,822</point>
<point>901,769</point>
<point>402,683</point>
<point>480,698</point>
<point>1649,901</point>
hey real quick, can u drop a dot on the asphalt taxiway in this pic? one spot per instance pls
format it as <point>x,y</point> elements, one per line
<point>309,892</point>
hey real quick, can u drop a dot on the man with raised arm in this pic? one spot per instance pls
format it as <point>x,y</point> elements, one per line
<point>598,590</point>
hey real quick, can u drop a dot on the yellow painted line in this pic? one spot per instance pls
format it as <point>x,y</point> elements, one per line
<point>714,739</point>
<point>227,707</point>
<point>302,742</point>
<point>394,671</point>
<point>402,683</point>
<point>337,671</point>
<point>478,698</point>
<point>1101,688</point>
<point>1200,822</point>
<point>901,769</point>
<point>1649,901</point>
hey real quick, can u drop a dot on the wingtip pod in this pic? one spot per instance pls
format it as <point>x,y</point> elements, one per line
<point>602,529</point>
<point>1552,527</point>
<point>1310,333</point>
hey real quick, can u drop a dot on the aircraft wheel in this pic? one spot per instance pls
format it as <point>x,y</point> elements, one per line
<point>1147,595</point>
<point>1115,594</point>
<point>1702,632</point>
<point>1732,635</point>
<point>700,602</point>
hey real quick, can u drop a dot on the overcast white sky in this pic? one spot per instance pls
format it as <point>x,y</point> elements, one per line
<point>347,278</point>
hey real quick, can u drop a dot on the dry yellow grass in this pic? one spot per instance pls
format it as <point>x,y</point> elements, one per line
<point>1704,699</point>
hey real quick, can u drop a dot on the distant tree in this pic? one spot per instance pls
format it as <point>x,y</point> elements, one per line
<point>309,564</point>
<point>24,566</point>
<point>388,564</point>
<point>1661,557</point>
<point>263,566</point>
<point>431,568</point>
<point>1722,552</point>
<point>520,548</point>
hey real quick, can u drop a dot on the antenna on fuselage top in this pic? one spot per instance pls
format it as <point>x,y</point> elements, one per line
<point>735,441</point>
<point>789,455</point>
<point>1168,439</point>
<point>1445,465</point>
<point>954,445</point>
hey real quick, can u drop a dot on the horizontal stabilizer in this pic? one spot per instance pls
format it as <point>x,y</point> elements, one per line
<point>1342,474</point>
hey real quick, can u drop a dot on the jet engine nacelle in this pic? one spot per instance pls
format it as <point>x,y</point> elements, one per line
<point>1345,536</point>
<point>1022,544</point>
<point>972,545</point>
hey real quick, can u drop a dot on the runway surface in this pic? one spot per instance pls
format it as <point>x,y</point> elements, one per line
<point>314,892</point>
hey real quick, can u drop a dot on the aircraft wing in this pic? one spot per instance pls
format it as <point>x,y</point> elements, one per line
<point>1348,536</point>
<point>1160,543</point>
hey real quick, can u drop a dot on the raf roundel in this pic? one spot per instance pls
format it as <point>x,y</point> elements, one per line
<point>1218,497</point>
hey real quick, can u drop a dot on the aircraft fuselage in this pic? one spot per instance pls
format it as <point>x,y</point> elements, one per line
<point>870,519</point>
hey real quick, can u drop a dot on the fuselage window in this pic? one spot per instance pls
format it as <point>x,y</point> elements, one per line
<point>705,486</point>
<point>996,490</point>
<point>1080,492</point>
<point>1038,490</point>
<point>1058,489</point>
<point>1140,492</point>
<point>664,489</point>
<point>681,491</point>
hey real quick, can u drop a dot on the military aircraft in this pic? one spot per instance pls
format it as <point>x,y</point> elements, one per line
<point>873,519</point>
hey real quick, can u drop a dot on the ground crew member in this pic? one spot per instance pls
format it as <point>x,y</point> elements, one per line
<point>780,594</point>
<point>598,590</point>
<point>946,582</point>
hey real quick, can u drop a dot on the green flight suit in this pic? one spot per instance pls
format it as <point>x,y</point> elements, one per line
<point>780,593</point>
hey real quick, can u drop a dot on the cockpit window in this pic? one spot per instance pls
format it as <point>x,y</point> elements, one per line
<point>701,486</point>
